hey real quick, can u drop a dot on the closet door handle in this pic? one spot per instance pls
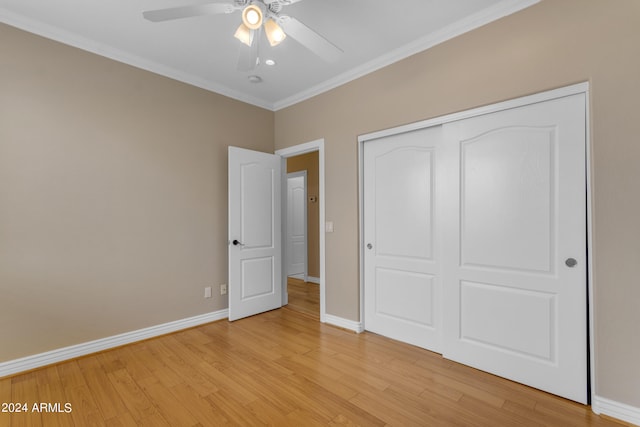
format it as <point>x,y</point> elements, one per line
<point>369,246</point>
<point>571,262</point>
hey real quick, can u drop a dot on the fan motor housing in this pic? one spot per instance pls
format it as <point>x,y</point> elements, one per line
<point>274,6</point>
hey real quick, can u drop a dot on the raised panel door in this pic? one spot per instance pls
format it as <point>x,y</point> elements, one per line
<point>402,263</point>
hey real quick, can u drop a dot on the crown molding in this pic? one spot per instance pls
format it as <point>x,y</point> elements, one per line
<point>500,10</point>
<point>486,16</point>
<point>89,45</point>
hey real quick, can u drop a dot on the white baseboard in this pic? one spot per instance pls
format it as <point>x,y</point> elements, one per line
<point>620,411</point>
<point>28,363</point>
<point>312,279</point>
<point>343,323</point>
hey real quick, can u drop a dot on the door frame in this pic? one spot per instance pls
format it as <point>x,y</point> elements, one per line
<point>309,147</point>
<point>579,88</point>
<point>287,254</point>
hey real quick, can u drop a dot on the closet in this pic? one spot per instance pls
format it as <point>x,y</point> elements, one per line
<point>474,239</point>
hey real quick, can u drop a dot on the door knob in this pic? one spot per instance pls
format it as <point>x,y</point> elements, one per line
<point>237,243</point>
<point>571,262</point>
<point>369,246</point>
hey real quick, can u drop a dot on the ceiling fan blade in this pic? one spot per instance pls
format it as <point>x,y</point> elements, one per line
<point>188,11</point>
<point>282,2</point>
<point>310,39</point>
<point>248,58</point>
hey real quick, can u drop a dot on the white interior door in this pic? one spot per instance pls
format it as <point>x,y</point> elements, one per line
<point>402,281</point>
<point>515,253</point>
<point>296,249</point>
<point>255,248</point>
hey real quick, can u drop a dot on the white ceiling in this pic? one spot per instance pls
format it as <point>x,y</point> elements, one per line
<point>203,52</point>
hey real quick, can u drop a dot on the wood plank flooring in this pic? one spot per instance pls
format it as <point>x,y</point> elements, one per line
<point>279,368</point>
<point>304,297</point>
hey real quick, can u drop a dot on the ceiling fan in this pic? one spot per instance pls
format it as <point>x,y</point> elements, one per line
<point>256,15</point>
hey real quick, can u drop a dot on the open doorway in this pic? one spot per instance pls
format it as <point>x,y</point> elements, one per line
<point>302,247</point>
<point>307,294</point>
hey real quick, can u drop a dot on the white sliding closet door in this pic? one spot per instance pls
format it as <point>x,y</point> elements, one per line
<point>401,254</point>
<point>475,241</point>
<point>515,249</point>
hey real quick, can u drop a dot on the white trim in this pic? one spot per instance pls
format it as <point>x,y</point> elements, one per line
<point>590,248</point>
<point>344,323</point>
<point>308,147</point>
<point>485,16</point>
<point>311,279</point>
<point>620,411</point>
<point>89,45</point>
<point>28,363</point>
<point>449,32</point>
<point>474,112</point>
<point>361,227</point>
<point>299,149</point>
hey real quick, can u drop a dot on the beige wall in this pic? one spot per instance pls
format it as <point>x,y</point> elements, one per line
<point>552,44</point>
<point>310,163</point>
<point>113,180</point>
<point>113,195</point>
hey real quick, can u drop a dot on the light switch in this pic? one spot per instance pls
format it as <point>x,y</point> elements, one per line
<point>328,226</point>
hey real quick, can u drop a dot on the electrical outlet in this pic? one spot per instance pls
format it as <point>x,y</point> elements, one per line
<point>223,289</point>
<point>207,292</point>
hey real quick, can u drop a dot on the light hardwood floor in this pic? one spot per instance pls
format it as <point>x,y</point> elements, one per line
<point>304,297</point>
<point>280,368</point>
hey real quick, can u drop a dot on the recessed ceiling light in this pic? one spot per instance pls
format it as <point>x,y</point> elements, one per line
<point>270,62</point>
<point>255,79</point>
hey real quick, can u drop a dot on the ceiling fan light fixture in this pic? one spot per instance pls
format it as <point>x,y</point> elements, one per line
<point>274,32</point>
<point>244,34</point>
<point>252,17</point>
